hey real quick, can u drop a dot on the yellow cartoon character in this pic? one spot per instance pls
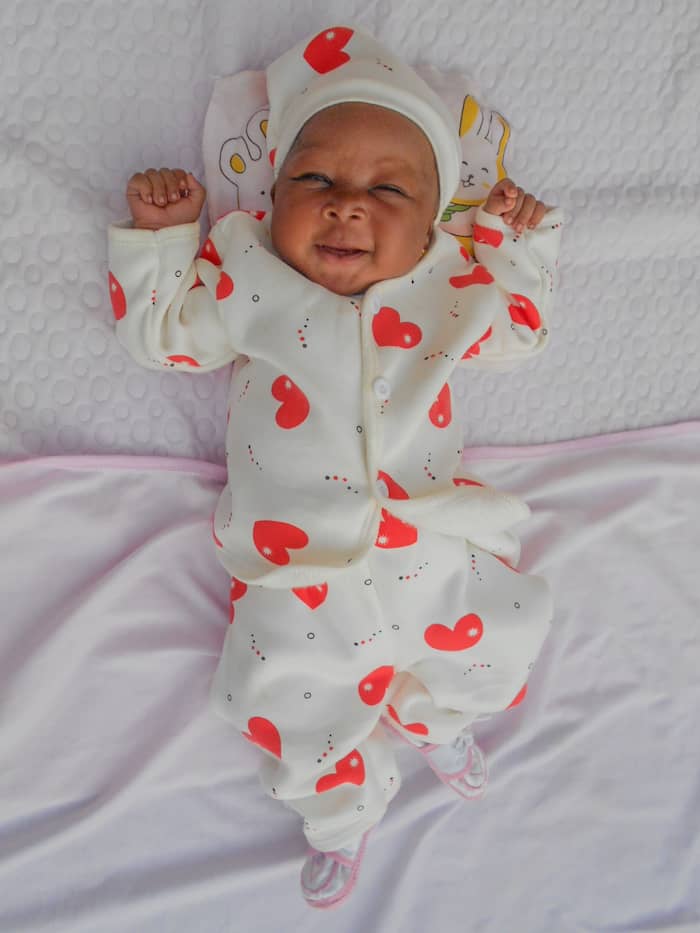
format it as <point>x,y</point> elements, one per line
<point>484,134</point>
<point>243,162</point>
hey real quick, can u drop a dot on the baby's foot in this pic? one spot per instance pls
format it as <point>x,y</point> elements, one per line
<point>327,878</point>
<point>461,765</point>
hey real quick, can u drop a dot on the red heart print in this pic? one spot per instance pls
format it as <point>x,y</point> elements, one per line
<point>395,533</point>
<point>390,331</point>
<point>373,687</point>
<point>295,406</point>
<point>264,733</point>
<point>117,297</point>
<point>349,770</point>
<point>272,539</point>
<point>440,412</point>
<point>271,156</point>
<point>519,698</point>
<point>224,287</point>
<point>209,252</point>
<point>180,358</point>
<point>487,235</point>
<point>463,481</point>
<point>395,491</point>
<point>238,591</point>
<point>313,596</point>
<point>325,51</point>
<point>418,728</point>
<point>479,275</point>
<point>475,348</point>
<point>522,311</point>
<point>465,634</point>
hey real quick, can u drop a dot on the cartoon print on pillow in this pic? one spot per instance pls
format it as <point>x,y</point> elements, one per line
<point>484,134</point>
<point>243,162</point>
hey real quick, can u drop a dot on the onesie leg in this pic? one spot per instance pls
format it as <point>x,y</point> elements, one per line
<point>471,629</point>
<point>304,675</point>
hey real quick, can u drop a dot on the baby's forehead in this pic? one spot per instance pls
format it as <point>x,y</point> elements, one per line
<point>350,123</point>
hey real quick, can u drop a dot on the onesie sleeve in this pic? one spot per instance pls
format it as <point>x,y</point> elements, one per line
<point>524,270</point>
<point>169,312</point>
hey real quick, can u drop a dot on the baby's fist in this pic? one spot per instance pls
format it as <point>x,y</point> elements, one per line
<point>164,198</point>
<point>516,208</point>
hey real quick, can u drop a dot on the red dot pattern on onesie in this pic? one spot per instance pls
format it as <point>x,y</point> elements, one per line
<point>370,638</point>
<point>476,569</point>
<point>329,743</point>
<point>302,336</point>
<point>341,479</point>
<point>117,297</point>
<point>465,633</point>
<point>426,467</point>
<point>412,576</point>
<point>390,331</point>
<point>295,407</point>
<point>254,648</point>
<point>349,770</point>
<point>251,457</point>
<point>326,52</point>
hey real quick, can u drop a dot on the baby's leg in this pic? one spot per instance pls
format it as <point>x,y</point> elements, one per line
<point>471,630</point>
<point>304,675</point>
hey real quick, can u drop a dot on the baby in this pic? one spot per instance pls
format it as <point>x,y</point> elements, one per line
<point>373,583</point>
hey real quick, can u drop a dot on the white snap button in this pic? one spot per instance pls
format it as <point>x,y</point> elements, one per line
<point>382,489</point>
<point>381,387</point>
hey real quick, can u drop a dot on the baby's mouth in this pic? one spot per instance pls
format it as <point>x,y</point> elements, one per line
<point>339,252</point>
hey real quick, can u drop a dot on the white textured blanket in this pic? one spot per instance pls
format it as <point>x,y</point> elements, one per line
<point>602,100</point>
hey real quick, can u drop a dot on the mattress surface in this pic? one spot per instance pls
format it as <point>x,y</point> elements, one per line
<point>602,100</point>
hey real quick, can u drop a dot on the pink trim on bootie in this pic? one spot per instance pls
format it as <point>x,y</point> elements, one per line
<point>339,859</point>
<point>453,779</point>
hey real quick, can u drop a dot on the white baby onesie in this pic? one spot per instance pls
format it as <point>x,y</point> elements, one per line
<point>343,468</point>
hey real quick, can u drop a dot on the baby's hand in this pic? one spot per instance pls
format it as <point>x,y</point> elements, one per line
<point>164,198</point>
<point>517,209</point>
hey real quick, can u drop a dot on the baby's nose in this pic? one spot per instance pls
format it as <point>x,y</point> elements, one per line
<point>346,205</point>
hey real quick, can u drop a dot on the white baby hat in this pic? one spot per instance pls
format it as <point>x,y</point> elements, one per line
<point>343,64</point>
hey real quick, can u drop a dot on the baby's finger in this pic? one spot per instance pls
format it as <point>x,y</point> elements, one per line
<point>516,205</point>
<point>537,215</point>
<point>181,179</point>
<point>139,187</point>
<point>522,218</point>
<point>158,189</point>
<point>171,185</point>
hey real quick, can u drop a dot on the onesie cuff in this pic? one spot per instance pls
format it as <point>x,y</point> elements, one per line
<point>125,232</point>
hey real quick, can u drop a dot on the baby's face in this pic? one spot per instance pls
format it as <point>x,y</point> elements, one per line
<point>355,199</point>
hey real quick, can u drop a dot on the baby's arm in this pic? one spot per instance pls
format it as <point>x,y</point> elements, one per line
<point>167,314</point>
<point>516,244</point>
